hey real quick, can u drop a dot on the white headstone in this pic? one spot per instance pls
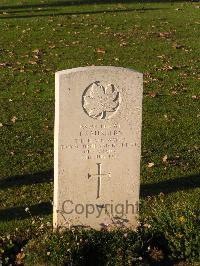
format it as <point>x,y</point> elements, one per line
<point>98,117</point>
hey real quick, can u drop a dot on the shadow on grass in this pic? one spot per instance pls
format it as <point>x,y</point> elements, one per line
<point>28,179</point>
<point>13,213</point>
<point>170,186</point>
<point>29,10</point>
<point>165,186</point>
<point>52,14</point>
<point>45,208</point>
<point>81,2</point>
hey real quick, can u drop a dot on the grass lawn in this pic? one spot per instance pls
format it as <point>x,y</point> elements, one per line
<point>39,38</point>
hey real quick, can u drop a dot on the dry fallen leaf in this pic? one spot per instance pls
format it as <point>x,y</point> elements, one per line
<point>195,96</point>
<point>164,34</point>
<point>52,46</point>
<point>164,159</point>
<point>37,51</point>
<point>123,44</point>
<point>32,62</point>
<point>167,67</point>
<point>13,119</point>
<point>177,46</point>
<point>3,64</point>
<point>152,94</point>
<point>1,125</point>
<point>19,258</point>
<point>75,42</point>
<point>161,56</point>
<point>100,51</point>
<point>150,165</point>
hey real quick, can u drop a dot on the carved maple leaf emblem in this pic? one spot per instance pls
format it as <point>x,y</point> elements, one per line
<point>101,101</point>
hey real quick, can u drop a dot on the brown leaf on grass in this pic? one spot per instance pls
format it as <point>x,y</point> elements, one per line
<point>13,119</point>
<point>164,159</point>
<point>167,68</point>
<point>36,51</point>
<point>164,34</point>
<point>161,56</point>
<point>150,165</point>
<point>36,57</point>
<point>75,42</point>
<point>170,68</point>
<point>147,74</point>
<point>123,44</point>
<point>4,64</point>
<point>32,62</point>
<point>152,94</point>
<point>195,97</point>
<point>100,50</point>
<point>52,46</point>
<point>177,46</point>
<point>156,254</point>
<point>1,125</point>
<point>19,258</point>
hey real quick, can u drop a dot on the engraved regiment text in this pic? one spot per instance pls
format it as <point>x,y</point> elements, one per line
<point>98,142</point>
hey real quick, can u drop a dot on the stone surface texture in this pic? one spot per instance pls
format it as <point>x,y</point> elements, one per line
<point>98,118</point>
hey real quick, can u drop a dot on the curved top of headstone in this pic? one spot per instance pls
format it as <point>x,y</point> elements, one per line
<point>92,68</point>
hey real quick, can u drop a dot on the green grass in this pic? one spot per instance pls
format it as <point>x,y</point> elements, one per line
<point>37,39</point>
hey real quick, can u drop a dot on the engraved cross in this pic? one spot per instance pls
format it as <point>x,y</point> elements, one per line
<point>99,176</point>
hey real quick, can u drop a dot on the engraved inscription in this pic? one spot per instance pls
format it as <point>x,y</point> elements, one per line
<point>101,100</point>
<point>98,142</point>
<point>99,176</point>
